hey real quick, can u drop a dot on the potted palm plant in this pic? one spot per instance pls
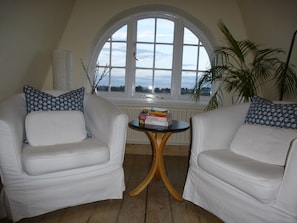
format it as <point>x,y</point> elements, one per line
<point>242,67</point>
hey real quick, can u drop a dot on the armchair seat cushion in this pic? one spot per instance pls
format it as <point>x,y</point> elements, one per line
<point>38,160</point>
<point>258,179</point>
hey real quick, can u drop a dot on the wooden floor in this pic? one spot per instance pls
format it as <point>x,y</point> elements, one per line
<point>153,205</point>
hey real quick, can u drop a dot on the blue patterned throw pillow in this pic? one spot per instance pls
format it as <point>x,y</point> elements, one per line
<point>265,112</point>
<point>37,100</point>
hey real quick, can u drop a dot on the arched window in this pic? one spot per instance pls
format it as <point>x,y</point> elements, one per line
<point>151,55</point>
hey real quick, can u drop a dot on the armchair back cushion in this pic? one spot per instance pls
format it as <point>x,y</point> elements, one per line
<point>262,143</point>
<point>44,128</point>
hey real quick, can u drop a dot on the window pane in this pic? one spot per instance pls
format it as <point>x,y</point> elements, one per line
<point>145,30</point>
<point>144,55</point>
<point>104,83</point>
<point>162,81</point>
<point>121,34</point>
<point>206,88</point>
<point>204,63</point>
<point>190,58</point>
<point>118,57</point>
<point>189,37</point>
<point>118,79</point>
<point>103,57</point>
<point>164,56</point>
<point>165,31</point>
<point>188,82</point>
<point>143,81</point>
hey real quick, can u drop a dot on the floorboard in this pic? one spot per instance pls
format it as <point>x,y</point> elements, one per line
<point>152,205</point>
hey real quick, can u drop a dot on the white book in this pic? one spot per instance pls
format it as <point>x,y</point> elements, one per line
<point>156,122</point>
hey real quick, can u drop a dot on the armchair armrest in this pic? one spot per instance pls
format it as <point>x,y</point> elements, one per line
<point>288,189</point>
<point>215,129</point>
<point>107,123</point>
<point>12,115</point>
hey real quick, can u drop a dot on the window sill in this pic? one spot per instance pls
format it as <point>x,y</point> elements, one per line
<point>158,101</point>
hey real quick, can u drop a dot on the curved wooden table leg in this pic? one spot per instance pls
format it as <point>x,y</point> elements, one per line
<point>146,180</point>
<point>158,141</point>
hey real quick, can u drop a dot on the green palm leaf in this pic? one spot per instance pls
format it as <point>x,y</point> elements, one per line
<point>242,67</point>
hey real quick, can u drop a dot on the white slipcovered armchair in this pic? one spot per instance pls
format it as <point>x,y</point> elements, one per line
<point>243,171</point>
<point>40,179</point>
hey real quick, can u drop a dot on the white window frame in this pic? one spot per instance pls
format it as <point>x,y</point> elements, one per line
<point>129,95</point>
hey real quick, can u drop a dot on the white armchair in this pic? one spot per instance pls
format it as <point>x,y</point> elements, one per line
<point>42,179</point>
<point>240,172</point>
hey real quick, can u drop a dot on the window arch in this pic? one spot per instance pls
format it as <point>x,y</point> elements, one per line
<point>151,55</point>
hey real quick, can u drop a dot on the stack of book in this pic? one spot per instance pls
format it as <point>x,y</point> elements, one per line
<point>155,116</point>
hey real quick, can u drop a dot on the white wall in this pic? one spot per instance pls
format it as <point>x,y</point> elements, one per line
<point>32,29</point>
<point>89,18</point>
<point>268,22</point>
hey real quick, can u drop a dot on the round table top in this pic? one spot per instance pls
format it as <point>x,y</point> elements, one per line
<point>176,126</point>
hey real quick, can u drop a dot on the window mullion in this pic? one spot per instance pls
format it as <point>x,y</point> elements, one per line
<point>177,59</point>
<point>197,64</point>
<point>154,55</point>
<point>130,57</point>
<point>110,64</point>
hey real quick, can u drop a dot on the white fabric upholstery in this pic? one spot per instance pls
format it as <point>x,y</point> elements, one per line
<point>263,143</point>
<point>234,187</point>
<point>44,128</point>
<point>242,173</point>
<point>40,160</point>
<point>71,178</point>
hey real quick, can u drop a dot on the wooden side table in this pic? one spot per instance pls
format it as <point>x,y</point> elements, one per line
<point>158,136</point>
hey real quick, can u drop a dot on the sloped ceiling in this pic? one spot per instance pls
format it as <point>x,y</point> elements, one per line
<point>269,20</point>
<point>30,31</point>
<point>272,24</point>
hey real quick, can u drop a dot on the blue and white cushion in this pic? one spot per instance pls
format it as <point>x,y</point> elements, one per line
<point>268,113</point>
<point>37,100</point>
